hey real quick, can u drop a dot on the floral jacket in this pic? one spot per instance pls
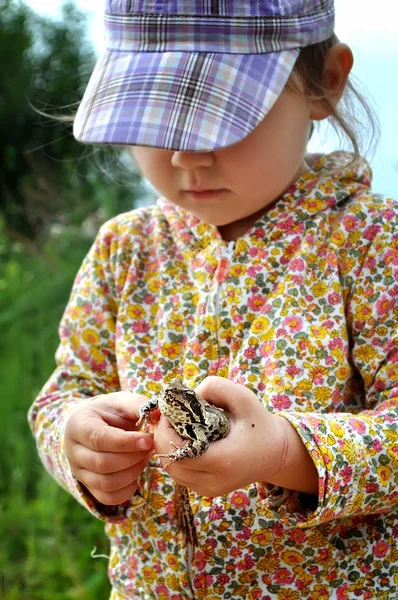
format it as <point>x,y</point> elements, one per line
<point>302,309</point>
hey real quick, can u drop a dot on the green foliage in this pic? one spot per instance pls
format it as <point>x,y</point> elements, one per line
<point>53,197</point>
<point>47,177</point>
<point>46,537</point>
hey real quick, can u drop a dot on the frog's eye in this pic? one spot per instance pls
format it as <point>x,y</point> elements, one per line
<point>189,395</point>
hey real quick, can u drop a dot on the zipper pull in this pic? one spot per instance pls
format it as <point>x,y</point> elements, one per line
<point>221,273</point>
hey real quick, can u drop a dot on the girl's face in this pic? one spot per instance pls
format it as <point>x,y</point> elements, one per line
<point>252,174</point>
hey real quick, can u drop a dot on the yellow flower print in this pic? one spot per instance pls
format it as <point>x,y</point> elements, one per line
<point>233,295</point>
<point>260,325</point>
<point>338,238</point>
<point>153,285</point>
<point>172,562</point>
<point>337,429</point>
<point>320,289</point>
<point>191,371</point>
<point>211,352</point>
<point>149,574</point>
<point>292,557</point>
<point>354,236</point>
<point>313,205</point>
<point>153,386</point>
<point>316,539</point>
<point>347,264</point>
<point>305,385</point>
<point>342,372</point>
<point>176,322</point>
<point>97,356</point>
<point>384,473</point>
<point>318,331</point>
<point>268,563</point>
<point>75,340</point>
<point>241,246</point>
<point>262,537</point>
<point>238,270</point>
<point>135,312</point>
<point>327,456</point>
<point>200,276</point>
<point>320,592</point>
<point>171,350</point>
<point>366,353</point>
<point>172,580</point>
<point>90,336</point>
<point>322,393</point>
<point>285,594</point>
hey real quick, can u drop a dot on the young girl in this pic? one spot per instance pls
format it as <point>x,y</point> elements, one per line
<point>263,277</point>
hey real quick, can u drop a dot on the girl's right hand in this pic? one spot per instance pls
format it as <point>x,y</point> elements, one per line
<point>105,450</point>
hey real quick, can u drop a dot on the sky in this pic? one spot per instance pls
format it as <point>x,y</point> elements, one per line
<point>372,36</point>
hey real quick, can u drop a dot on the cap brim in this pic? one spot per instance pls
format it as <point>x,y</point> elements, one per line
<point>179,100</point>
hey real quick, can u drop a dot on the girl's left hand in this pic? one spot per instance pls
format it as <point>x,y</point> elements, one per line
<point>252,451</point>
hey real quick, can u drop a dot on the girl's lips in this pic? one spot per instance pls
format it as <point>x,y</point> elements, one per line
<point>205,194</point>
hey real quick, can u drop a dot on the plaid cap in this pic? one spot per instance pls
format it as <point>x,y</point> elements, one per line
<point>194,75</point>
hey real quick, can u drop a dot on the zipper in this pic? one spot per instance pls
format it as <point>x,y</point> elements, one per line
<point>221,275</point>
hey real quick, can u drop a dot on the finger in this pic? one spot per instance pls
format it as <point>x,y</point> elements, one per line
<point>114,498</point>
<point>120,409</point>
<point>105,462</point>
<point>112,482</point>
<point>97,435</point>
<point>225,394</point>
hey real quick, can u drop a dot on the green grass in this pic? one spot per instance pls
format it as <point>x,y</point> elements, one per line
<point>46,537</point>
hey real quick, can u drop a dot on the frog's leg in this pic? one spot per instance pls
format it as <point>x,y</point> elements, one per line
<point>145,412</point>
<point>192,449</point>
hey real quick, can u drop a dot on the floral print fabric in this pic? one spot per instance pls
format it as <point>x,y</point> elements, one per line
<point>303,310</point>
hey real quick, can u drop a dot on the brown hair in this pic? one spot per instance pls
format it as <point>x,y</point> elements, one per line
<point>345,118</point>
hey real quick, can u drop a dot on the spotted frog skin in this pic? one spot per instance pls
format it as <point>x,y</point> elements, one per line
<point>191,416</point>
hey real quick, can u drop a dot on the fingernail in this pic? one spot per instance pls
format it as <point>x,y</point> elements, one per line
<point>144,444</point>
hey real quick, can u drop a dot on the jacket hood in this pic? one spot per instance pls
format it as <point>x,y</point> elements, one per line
<point>331,181</point>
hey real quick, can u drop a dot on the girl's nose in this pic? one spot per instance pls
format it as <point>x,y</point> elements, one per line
<point>191,160</point>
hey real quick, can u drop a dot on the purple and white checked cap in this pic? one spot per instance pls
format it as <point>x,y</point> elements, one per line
<point>194,75</point>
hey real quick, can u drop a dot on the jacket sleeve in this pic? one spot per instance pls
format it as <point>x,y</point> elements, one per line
<point>356,455</point>
<point>85,358</point>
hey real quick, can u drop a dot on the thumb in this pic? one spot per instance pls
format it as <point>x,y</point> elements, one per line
<point>120,409</point>
<point>226,394</point>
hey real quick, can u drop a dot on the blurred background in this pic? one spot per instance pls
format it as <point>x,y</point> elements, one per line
<point>54,195</point>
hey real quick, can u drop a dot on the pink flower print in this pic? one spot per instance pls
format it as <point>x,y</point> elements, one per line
<point>253,271</point>
<point>246,564</point>
<point>235,552</point>
<point>333,298</point>
<point>346,474</point>
<point>141,327</point>
<point>294,324</point>
<point>216,512</point>
<point>377,445</point>
<point>240,499</point>
<point>358,425</point>
<point>244,534</point>
<point>297,264</point>
<point>281,401</point>
<point>283,576</point>
<point>223,578</point>
<point>381,549</point>
<point>293,370</point>
<point>384,305</point>
<point>256,302</point>
<point>350,222</point>
<point>371,232</point>
<point>250,353</point>
<point>372,488</point>
<point>267,348</point>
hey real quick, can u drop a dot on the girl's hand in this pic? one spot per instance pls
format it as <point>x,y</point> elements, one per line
<point>106,452</point>
<point>252,451</point>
